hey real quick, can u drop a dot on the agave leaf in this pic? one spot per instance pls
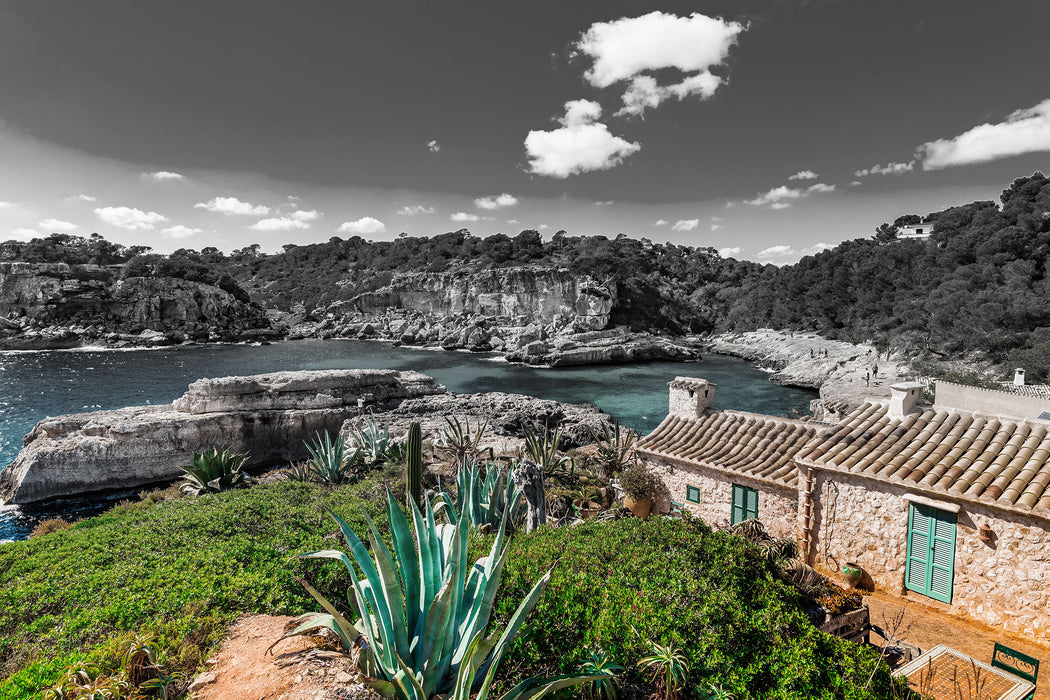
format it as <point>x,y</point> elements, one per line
<point>393,597</point>
<point>345,629</point>
<point>431,652</point>
<point>537,687</point>
<point>408,566</point>
<point>312,621</point>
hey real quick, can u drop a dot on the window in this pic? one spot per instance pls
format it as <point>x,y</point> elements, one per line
<point>930,565</point>
<point>745,504</point>
<point>692,494</point>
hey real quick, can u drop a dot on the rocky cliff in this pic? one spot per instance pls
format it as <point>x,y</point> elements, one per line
<point>268,416</point>
<point>48,305</point>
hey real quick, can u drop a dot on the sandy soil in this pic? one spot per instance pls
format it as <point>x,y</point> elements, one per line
<point>300,668</point>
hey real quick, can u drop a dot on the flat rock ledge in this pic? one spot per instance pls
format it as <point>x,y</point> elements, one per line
<point>268,416</point>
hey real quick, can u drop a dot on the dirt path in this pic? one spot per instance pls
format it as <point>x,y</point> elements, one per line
<point>926,628</point>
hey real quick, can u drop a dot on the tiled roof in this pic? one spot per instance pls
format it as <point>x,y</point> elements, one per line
<point>761,447</point>
<point>960,454</point>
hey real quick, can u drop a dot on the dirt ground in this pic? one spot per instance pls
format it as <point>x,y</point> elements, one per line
<point>300,668</point>
<point>926,628</point>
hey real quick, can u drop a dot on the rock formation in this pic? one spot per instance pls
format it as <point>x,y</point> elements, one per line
<point>55,305</point>
<point>268,416</point>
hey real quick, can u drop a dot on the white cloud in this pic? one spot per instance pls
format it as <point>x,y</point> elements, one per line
<point>804,175</point>
<point>364,225</point>
<point>7,205</point>
<point>415,210</point>
<point>433,146</point>
<point>129,218</point>
<point>780,205</point>
<point>81,198</point>
<point>777,195</point>
<point>661,222</point>
<point>542,227</point>
<point>280,223</point>
<point>781,254</point>
<point>820,187</point>
<point>582,144</point>
<point>462,217</point>
<point>496,201</point>
<point>1023,131</point>
<point>605,203</point>
<point>715,227</point>
<point>513,221</point>
<point>729,252</point>
<point>685,224</point>
<point>305,216</point>
<point>888,169</point>
<point>57,225</point>
<point>24,234</point>
<point>776,251</point>
<point>180,231</point>
<point>233,206</point>
<point>855,183</point>
<point>162,175</point>
<point>627,48</point>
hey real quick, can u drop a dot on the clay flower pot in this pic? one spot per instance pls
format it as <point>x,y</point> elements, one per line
<point>986,534</point>
<point>640,507</point>
<point>853,573</point>
<point>587,509</point>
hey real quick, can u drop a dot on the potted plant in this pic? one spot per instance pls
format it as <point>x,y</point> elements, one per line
<point>853,573</point>
<point>640,487</point>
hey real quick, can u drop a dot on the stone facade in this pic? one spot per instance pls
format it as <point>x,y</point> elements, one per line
<point>689,398</point>
<point>777,505</point>
<point>1005,583</point>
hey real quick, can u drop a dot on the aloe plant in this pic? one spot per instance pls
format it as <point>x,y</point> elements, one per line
<point>614,448</point>
<point>667,669</point>
<point>602,664</point>
<point>486,502</point>
<point>459,441</point>
<point>330,462</point>
<point>424,610</point>
<point>542,448</point>
<point>214,471</point>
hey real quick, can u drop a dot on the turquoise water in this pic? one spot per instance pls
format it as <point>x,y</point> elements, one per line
<point>38,384</point>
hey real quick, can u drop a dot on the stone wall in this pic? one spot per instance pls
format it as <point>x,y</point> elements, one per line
<point>1005,583</point>
<point>777,505</point>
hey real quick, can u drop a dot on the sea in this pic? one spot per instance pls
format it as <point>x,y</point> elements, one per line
<point>37,384</point>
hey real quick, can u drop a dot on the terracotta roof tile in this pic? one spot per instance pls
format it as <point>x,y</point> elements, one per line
<point>758,446</point>
<point>962,454</point>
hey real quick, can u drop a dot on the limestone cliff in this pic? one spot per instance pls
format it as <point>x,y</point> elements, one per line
<point>268,416</point>
<point>62,305</point>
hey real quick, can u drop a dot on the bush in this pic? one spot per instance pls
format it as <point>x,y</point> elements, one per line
<point>620,584</point>
<point>638,481</point>
<point>46,527</point>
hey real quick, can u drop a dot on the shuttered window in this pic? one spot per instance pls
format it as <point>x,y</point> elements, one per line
<point>745,504</point>
<point>930,566</point>
<point>692,494</point>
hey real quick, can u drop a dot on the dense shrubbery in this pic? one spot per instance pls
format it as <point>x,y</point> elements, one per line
<point>710,594</point>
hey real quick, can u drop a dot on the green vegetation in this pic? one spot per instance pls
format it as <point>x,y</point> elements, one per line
<point>214,471</point>
<point>329,463</point>
<point>486,502</point>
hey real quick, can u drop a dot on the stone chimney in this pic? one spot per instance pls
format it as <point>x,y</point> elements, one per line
<point>690,397</point>
<point>1019,377</point>
<point>904,397</point>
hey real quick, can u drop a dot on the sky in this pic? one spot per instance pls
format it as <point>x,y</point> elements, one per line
<point>765,129</point>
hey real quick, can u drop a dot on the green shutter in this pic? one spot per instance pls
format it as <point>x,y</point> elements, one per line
<point>692,494</point>
<point>745,504</point>
<point>930,564</point>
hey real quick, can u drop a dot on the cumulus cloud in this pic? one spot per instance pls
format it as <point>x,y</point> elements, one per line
<point>1023,131</point>
<point>433,146</point>
<point>888,169</point>
<point>415,210</point>
<point>180,231</point>
<point>582,144</point>
<point>364,225</point>
<point>162,175</point>
<point>804,175</point>
<point>462,217</point>
<point>305,216</point>
<point>496,201</point>
<point>129,218</point>
<point>233,206</point>
<point>81,198</point>
<point>661,222</point>
<point>781,254</point>
<point>7,205</point>
<point>820,187</point>
<point>57,225</point>
<point>629,48</point>
<point>782,196</point>
<point>729,252</point>
<point>685,224</point>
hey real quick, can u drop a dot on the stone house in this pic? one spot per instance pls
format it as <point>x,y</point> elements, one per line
<point>727,466</point>
<point>946,505</point>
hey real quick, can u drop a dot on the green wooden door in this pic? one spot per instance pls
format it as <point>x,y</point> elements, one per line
<point>745,504</point>
<point>930,566</point>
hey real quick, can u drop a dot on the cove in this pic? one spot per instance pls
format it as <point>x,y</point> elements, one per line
<point>34,385</point>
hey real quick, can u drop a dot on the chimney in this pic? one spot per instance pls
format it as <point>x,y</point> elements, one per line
<point>903,398</point>
<point>689,397</point>
<point>1019,377</point>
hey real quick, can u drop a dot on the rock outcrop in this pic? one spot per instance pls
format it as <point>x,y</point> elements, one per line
<point>603,347</point>
<point>268,416</point>
<point>54,305</point>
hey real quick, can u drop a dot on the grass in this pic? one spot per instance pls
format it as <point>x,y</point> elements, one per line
<point>181,570</point>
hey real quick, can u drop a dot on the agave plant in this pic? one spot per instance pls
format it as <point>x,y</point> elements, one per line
<point>489,501</point>
<point>330,462</point>
<point>614,448</point>
<point>214,471</point>
<point>424,610</point>
<point>542,448</point>
<point>459,441</point>
<point>373,441</point>
<point>601,664</point>
<point>667,669</point>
